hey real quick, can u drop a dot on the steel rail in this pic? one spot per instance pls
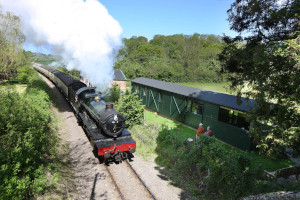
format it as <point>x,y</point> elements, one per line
<point>115,183</point>
<point>141,180</point>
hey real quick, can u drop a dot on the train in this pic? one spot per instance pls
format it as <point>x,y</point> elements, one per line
<point>103,125</point>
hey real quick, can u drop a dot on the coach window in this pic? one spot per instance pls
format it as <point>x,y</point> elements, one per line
<point>196,108</point>
<point>233,117</point>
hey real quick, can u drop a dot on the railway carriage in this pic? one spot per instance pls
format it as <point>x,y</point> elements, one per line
<point>104,126</point>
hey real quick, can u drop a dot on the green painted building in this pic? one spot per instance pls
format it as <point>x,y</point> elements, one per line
<point>192,105</point>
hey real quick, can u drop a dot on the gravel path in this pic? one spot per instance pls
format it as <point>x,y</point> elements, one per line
<point>92,180</point>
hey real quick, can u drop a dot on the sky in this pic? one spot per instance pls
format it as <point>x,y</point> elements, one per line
<point>169,17</point>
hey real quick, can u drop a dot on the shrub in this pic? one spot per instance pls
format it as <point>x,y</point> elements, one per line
<point>131,107</point>
<point>25,75</point>
<point>230,175</point>
<point>115,93</point>
<point>25,136</point>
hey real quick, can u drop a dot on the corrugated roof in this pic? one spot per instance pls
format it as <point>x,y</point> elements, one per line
<point>226,100</point>
<point>119,76</point>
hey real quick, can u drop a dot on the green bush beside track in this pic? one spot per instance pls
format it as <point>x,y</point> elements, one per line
<point>26,137</point>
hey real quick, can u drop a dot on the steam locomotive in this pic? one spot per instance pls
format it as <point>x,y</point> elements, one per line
<point>104,126</point>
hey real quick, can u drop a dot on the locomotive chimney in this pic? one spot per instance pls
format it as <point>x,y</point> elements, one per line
<point>109,105</point>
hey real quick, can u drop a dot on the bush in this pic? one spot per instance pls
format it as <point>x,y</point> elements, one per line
<point>131,107</point>
<point>25,75</point>
<point>226,175</point>
<point>25,136</point>
<point>115,93</point>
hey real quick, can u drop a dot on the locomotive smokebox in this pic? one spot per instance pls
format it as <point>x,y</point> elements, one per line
<point>112,122</point>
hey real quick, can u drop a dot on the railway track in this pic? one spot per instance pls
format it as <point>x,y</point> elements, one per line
<point>128,183</point>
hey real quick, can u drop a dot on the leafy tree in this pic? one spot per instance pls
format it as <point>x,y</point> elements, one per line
<point>12,56</point>
<point>174,58</point>
<point>131,107</point>
<point>267,61</point>
<point>115,92</point>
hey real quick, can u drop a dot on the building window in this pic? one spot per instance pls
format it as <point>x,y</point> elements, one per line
<point>233,117</point>
<point>145,91</point>
<point>194,107</point>
<point>137,89</point>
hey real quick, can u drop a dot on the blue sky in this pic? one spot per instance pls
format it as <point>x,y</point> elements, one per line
<point>168,17</point>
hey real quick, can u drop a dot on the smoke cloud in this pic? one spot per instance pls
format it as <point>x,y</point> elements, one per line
<point>82,32</point>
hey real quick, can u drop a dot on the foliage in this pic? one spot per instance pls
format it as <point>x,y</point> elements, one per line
<point>131,108</point>
<point>25,75</point>
<point>224,175</point>
<point>45,59</point>
<point>175,58</point>
<point>12,56</point>
<point>187,167</point>
<point>267,61</point>
<point>25,137</point>
<point>115,92</point>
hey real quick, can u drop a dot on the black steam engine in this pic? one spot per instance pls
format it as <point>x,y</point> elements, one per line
<point>104,126</point>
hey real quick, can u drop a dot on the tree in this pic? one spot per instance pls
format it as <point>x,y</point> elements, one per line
<point>115,92</point>
<point>175,58</point>
<point>266,61</point>
<point>12,56</point>
<point>131,107</point>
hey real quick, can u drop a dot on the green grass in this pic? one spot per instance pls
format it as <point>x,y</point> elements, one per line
<point>20,88</point>
<point>216,87</point>
<point>154,122</point>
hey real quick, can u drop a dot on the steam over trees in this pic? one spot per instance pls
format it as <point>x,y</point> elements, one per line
<point>12,56</point>
<point>175,58</point>
<point>267,61</point>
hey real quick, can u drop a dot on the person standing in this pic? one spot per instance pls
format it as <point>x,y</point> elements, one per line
<point>200,130</point>
<point>208,132</point>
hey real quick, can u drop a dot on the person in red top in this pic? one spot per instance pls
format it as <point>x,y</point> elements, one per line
<point>200,130</point>
<point>208,132</point>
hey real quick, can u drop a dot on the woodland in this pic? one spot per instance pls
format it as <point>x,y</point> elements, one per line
<point>174,58</point>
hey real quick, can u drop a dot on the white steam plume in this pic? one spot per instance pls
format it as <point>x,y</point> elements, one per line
<point>82,32</point>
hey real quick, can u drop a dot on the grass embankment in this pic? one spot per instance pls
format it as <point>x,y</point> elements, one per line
<point>33,161</point>
<point>156,122</point>
<point>188,167</point>
<point>216,87</point>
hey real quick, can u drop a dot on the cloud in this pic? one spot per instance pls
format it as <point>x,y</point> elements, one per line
<point>82,32</point>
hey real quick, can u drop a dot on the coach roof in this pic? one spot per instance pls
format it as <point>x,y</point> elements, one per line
<point>221,99</point>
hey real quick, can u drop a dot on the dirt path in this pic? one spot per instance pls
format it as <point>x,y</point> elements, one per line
<point>91,178</point>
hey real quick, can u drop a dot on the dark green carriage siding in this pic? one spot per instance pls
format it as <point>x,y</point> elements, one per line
<point>177,107</point>
<point>174,106</point>
<point>153,98</point>
<point>232,135</point>
<point>192,119</point>
<point>165,103</point>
